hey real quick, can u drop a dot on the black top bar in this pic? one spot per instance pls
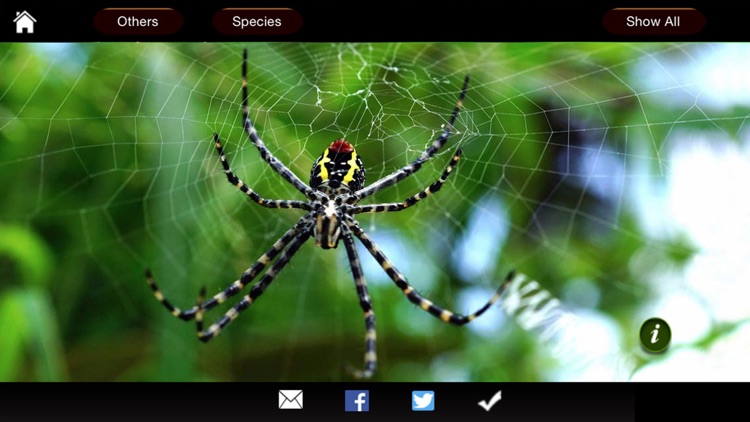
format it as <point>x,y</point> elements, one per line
<point>383,20</point>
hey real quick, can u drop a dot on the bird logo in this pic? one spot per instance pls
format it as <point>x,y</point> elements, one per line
<point>423,400</point>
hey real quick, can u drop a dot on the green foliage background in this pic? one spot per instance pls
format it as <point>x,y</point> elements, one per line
<point>107,167</point>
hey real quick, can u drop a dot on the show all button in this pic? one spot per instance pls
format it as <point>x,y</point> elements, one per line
<point>138,21</point>
<point>654,21</point>
<point>257,21</point>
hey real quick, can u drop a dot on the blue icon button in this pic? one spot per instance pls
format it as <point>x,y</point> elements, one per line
<point>423,401</point>
<point>357,401</point>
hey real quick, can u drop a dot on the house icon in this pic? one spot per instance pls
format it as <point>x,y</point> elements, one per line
<point>24,22</point>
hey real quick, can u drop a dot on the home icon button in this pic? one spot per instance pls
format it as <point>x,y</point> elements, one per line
<point>24,23</point>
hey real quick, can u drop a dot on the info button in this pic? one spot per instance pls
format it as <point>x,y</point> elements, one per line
<point>138,21</point>
<point>257,21</point>
<point>654,21</point>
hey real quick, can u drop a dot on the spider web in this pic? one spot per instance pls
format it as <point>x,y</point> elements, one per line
<point>607,175</point>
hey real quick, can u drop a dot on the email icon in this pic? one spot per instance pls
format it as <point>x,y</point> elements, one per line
<point>290,399</point>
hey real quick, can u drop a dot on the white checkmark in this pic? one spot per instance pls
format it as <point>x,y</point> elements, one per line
<point>487,406</point>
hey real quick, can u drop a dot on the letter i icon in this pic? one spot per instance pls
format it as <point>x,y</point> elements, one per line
<point>655,335</point>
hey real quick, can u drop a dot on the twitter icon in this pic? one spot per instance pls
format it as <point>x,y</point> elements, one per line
<point>423,401</point>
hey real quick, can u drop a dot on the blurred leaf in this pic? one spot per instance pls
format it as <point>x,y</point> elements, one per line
<point>43,336</point>
<point>28,252</point>
<point>14,330</point>
<point>29,323</point>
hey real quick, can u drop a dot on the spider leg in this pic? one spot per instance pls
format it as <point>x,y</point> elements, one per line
<point>414,297</point>
<point>415,165</point>
<point>365,304</point>
<point>238,285</point>
<point>239,184</point>
<point>398,206</point>
<point>265,153</point>
<point>215,329</point>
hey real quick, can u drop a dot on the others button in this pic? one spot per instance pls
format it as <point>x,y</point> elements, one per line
<point>254,21</point>
<point>138,21</point>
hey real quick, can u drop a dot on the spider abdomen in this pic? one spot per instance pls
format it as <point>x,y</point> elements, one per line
<point>338,170</point>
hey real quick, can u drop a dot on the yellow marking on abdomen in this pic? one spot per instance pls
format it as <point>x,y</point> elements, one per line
<point>322,164</point>
<point>352,168</point>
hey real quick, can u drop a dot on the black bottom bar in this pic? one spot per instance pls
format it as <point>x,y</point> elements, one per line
<point>528,402</point>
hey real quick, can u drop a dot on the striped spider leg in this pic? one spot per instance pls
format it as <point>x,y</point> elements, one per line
<point>414,297</point>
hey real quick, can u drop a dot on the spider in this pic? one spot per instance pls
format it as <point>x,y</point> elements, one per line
<point>337,185</point>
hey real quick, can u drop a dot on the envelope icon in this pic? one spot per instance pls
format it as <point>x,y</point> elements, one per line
<point>290,399</point>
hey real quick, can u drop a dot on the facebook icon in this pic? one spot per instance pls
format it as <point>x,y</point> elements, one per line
<point>357,401</point>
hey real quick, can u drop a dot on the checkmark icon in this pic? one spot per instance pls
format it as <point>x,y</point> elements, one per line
<point>487,406</point>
